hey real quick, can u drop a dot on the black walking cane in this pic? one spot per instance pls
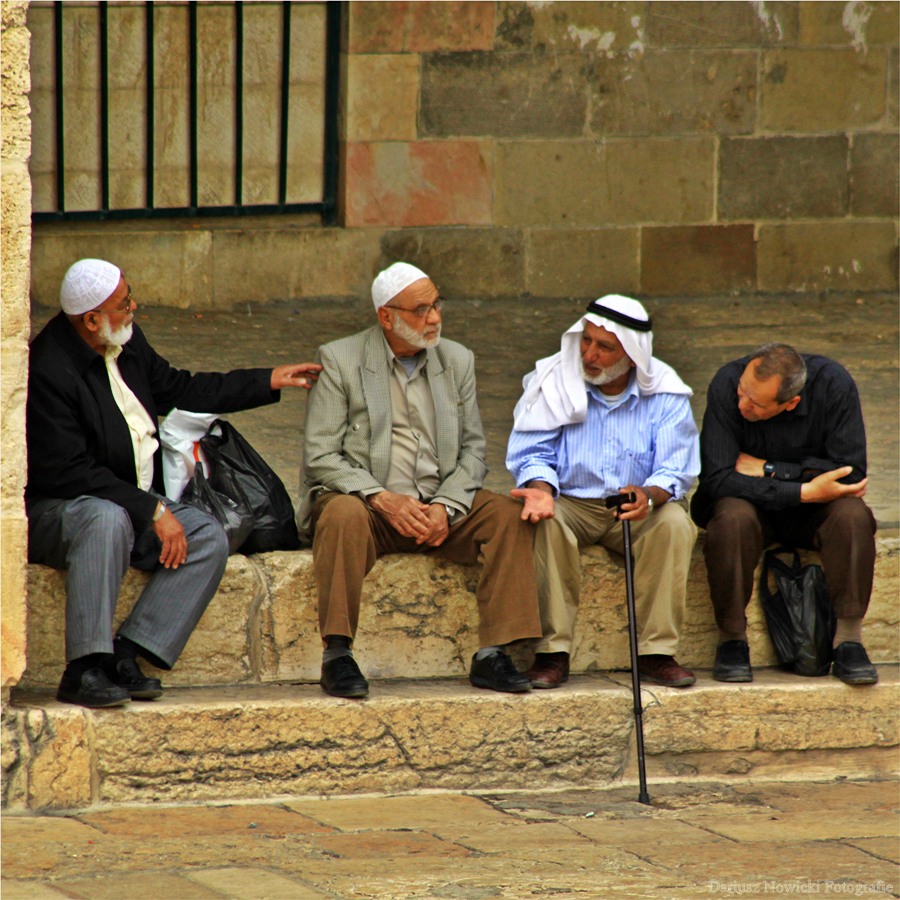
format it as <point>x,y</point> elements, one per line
<point>615,502</point>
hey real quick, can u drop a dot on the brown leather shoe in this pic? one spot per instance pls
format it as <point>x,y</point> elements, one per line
<point>664,670</point>
<point>549,670</point>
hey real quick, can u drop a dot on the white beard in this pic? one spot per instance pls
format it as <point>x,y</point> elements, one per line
<point>411,336</point>
<point>118,338</point>
<point>616,370</point>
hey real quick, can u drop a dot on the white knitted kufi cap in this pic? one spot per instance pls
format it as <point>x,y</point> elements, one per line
<point>392,280</point>
<point>87,284</point>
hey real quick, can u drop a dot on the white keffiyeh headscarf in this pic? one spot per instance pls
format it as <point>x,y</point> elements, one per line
<point>556,391</point>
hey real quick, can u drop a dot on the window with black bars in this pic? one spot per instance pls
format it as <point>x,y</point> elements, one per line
<point>159,109</point>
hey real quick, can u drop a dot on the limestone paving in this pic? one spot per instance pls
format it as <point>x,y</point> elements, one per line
<point>695,840</point>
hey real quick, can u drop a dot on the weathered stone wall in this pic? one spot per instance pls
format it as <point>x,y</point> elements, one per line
<point>574,148</point>
<point>15,245</point>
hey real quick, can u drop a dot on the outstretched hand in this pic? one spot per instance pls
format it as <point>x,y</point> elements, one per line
<point>827,487</point>
<point>302,375</point>
<point>539,504</point>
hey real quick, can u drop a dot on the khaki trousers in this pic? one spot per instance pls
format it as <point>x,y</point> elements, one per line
<point>661,544</point>
<point>349,537</point>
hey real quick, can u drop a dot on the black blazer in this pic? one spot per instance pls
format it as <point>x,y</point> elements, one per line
<point>77,438</point>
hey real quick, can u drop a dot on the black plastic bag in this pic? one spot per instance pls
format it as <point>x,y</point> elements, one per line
<point>239,471</point>
<point>235,516</point>
<point>798,613</point>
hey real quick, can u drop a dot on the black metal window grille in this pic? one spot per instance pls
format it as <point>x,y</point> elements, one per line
<point>328,158</point>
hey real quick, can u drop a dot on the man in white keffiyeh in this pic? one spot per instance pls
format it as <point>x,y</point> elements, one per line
<point>601,417</point>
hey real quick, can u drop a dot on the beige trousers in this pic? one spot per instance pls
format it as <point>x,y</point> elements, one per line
<point>661,545</point>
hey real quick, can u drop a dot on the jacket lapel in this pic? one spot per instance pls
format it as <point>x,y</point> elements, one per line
<point>377,391</point>
<point>443,391</point>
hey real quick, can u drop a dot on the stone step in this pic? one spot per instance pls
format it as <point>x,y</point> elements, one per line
<point>418,620</point>
<point>271,741</point>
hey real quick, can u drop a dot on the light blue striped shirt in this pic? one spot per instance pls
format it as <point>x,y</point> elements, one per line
<point>647,441</point>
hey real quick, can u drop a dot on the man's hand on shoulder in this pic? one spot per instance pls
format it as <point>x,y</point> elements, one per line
<point>827,487</point>
<point>403,513</point>
<point>539,502</point>
<point>302,375</point>
<point>174,544</point>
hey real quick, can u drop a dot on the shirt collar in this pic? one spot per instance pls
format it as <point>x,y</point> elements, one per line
<point>629,395</point>
<point>391,357</point>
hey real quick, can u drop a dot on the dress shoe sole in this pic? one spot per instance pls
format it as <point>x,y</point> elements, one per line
<point>357,693</point>
<point>733,677</point>
<point>548,685</point>
<point>91,704</point>
<point>478,682</point>
<point>151,694</point>
<point>856,679</point>
<point>681,682</point>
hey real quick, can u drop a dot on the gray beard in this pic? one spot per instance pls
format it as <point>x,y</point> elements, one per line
<point>118,338</point>
<point>411,336</point>
<point>617,370</point>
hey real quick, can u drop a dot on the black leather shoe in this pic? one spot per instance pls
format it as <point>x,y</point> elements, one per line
<point>733,662</point>
<point>851,664</point>
<point>497,672</point>
<point>341,678</point>
<point>91,688</point>
<point>127,674</point>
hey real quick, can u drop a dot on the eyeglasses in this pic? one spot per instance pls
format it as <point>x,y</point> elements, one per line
<point>126,307</point>
<point>420,312</point>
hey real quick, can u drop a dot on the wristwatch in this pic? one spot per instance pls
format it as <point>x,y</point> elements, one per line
<point>769,469</point>
<point>650,503</point>
<point>450,511</point>
<point>160,511</point>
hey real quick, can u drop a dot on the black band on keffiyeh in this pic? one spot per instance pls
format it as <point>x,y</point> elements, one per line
<point>621,318</point>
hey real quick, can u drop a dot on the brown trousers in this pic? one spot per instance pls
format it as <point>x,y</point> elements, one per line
<point>843,533</point>
<point>349,537</point>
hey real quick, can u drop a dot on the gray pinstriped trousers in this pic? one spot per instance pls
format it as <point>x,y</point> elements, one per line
<point>94,541</point>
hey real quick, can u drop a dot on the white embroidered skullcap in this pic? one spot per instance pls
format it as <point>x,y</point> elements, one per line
<point>87,284</point>
<point>392,280</point>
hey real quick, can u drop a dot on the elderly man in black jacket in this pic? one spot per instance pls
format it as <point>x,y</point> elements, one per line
<point>95,489</point>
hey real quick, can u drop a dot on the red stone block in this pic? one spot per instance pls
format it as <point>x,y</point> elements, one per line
<point>423,183</point>
<point>417,27</point>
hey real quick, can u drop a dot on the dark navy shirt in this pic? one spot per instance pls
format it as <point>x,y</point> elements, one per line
<point>823,432</point>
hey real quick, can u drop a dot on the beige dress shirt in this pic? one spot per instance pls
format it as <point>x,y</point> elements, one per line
<point>140,425</point>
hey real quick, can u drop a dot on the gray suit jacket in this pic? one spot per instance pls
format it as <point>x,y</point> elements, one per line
<point>347,447</point>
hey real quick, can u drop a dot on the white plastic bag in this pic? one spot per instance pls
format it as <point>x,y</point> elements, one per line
<point>178,433</point>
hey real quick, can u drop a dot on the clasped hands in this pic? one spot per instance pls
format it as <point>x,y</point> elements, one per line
<point>427,523</point>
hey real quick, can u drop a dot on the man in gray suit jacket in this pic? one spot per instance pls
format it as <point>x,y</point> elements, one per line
<point>394,462</point>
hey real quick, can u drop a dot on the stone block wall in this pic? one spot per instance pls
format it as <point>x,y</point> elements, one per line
<point>570,149</point>
<point>651,148</point>
<point>15,245</point>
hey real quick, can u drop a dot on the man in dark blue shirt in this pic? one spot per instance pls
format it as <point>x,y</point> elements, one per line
<point>783,458</point>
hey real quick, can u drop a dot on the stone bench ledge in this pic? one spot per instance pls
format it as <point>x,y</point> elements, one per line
<point>289,741</point>
<point>418,620</point>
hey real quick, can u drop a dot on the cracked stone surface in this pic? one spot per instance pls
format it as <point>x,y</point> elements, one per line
<point>694,840</point>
